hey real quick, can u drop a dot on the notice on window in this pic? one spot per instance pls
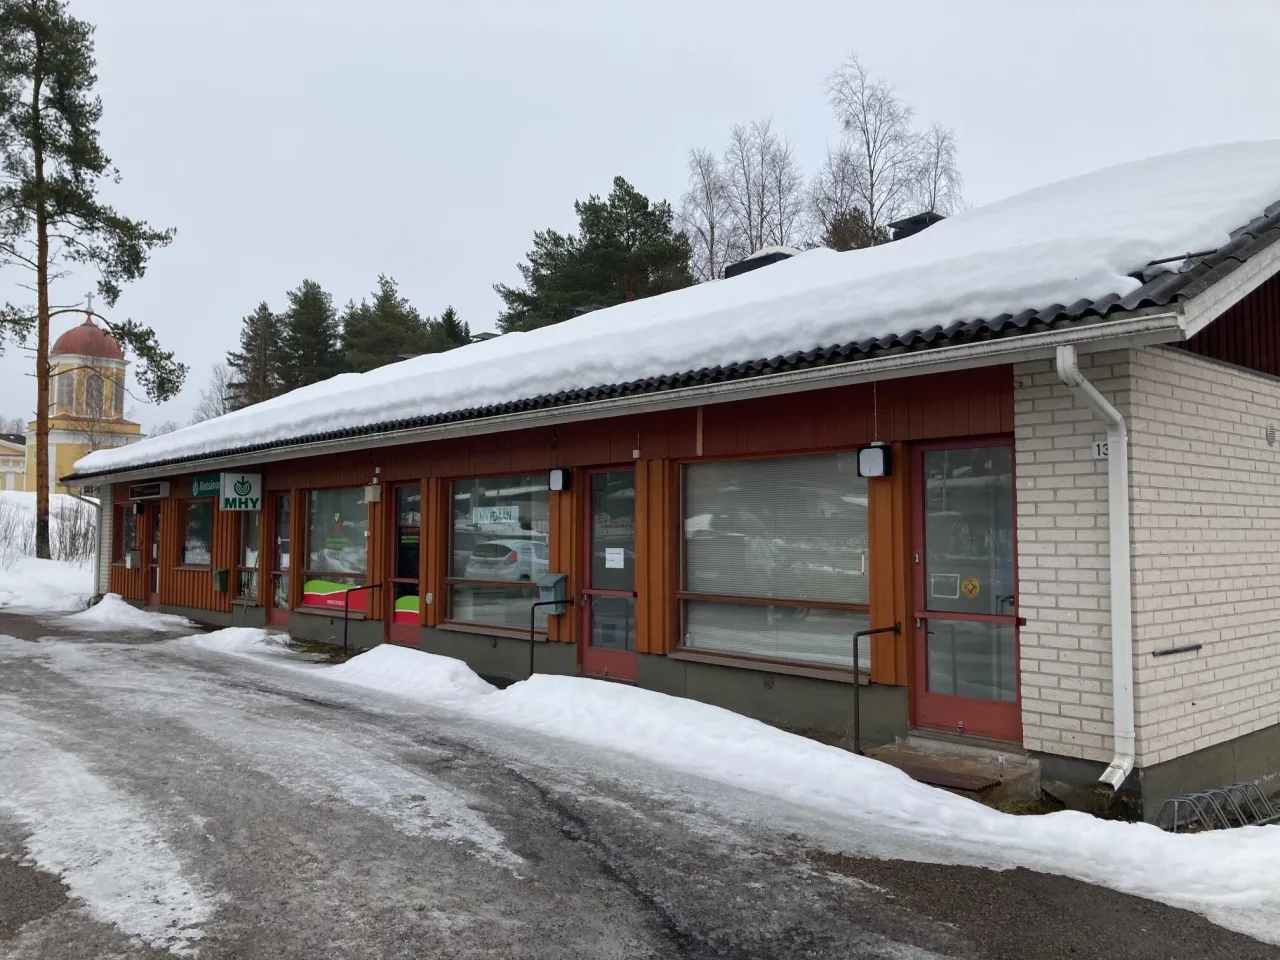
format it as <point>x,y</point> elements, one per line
<point>509,513</point>
<point>615,558</point>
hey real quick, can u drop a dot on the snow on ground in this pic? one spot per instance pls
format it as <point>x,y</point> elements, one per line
<point>100,842</point>
<point>45,586</point>
<point>1077,239</point>
<point>72,524</point>
<point>1229,876</point>
<point>113,612</point>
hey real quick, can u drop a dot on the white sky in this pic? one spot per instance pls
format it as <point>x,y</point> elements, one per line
<point>292,139</point>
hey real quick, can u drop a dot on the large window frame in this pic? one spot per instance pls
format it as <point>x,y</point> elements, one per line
<point>310,571</point>
<point>184,535</point>
<point>538,560</point>
<point>685,597</point>
<point>126,523</point>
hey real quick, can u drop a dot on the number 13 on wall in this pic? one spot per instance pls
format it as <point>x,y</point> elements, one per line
<point>1099,449</point>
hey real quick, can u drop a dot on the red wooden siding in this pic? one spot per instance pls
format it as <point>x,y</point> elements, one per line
<point>1247,335</point>
<point>181,587</point>
<point>130,584</point>
<point>563,556</point>
<point>657,550</point>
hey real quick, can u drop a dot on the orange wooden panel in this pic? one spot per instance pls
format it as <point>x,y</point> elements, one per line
<point>880,551</point>
<point>562,549</point>
<point>435,548</point>
<point>657,555</point>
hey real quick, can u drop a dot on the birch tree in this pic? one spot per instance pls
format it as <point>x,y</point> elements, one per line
<point>764,189</point>
<point>883,148</point>
<point>938,179</point>
<point>705,216</point>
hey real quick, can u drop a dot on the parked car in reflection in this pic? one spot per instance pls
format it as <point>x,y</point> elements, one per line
<point>507,560</point>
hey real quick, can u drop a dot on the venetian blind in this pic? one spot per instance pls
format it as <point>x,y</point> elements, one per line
<point>790,528</point>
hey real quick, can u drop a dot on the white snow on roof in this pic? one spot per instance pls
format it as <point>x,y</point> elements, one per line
<point>1079,238</point>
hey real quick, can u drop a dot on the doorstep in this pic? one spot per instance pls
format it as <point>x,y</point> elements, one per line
<point>978,770</point>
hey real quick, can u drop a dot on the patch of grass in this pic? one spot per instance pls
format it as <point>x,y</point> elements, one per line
<point>1026,806</point>
<point>327,652</point>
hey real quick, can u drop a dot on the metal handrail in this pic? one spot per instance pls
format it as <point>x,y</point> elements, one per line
<point>346,608</point>
<point>533,622</point>
<point>896,630</point>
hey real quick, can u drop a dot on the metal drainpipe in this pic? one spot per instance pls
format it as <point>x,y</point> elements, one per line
<point>1121,576</point>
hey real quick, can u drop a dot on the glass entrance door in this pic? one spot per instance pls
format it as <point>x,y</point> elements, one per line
<point>153,555</point>
<point>404,615</point>
<point>278,612</point>
<point>609,594</point>
<point>966,676</point>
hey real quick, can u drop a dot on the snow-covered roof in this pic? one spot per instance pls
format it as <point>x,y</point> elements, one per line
<point>1080,240</point>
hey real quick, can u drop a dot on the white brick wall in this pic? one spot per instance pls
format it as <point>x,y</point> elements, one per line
<point>106,515</point>
<point>1063,573</point>
<point>1206,552</point>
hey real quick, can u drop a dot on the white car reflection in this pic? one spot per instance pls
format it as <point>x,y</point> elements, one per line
<point>507,560</point>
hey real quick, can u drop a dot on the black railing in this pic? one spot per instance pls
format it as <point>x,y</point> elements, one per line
<point>896,629</point>
<point>346,608</point>
<point>533,622</point>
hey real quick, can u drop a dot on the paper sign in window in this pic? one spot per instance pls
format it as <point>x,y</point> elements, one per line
<point>614,558</point>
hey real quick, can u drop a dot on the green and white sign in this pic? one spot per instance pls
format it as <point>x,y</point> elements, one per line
<point>241,491</point>
<point>204,485</point>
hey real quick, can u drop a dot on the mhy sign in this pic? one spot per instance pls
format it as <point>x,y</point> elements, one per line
<point>241,491</point>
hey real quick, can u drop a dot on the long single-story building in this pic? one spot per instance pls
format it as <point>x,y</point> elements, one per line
<point>1032,447</point>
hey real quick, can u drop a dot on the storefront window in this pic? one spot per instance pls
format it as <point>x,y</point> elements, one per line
<point>128,532</point>
<point>337,548</point>
<point>250,541</point>
<point>498,548</point>
<point>775,559</point>
<point>197,543</point>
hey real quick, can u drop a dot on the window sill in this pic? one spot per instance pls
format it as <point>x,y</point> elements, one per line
<point>245,603</point>
<point>787,667</point>
<point>206,567</point>
<point>485,630</point>
<point>331,613</point>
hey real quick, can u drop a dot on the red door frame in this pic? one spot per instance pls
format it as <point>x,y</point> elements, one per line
<point>154,551</point>
<point>278,616</point>
<point>594,661</point>
<point>989,719</point>
<point>402,634</point>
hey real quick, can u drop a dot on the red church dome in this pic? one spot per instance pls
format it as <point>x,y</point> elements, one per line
<point>88,340</point>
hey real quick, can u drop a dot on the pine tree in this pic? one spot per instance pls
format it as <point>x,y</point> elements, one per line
<point>451,331</point>
<point>384,331</point>
<point>625,249</point>
<point>50,214</point>
<point>310,337</point>
<point>257,370</point>
<point>852,231</point>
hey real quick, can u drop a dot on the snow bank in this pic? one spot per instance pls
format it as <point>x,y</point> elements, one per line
<point>113,613</point>
<point>239,640</point>
<point>45,586</point>
<point>1229,876</point>
<point>411,673</point>
<point>1077,239</point>
<point>72,527</point>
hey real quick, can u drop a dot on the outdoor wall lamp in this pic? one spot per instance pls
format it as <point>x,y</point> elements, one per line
<point>874,460</point>
<point>560,479</point>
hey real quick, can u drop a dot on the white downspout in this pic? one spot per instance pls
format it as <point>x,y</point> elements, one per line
<point>1121,577</point>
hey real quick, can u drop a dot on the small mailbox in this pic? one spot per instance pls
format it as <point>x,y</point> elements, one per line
<point>221,579</point>
<point>553,588</point>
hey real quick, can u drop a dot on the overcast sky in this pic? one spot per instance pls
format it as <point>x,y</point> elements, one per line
<point>292,139</point>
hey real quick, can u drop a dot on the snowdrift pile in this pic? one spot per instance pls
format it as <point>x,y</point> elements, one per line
<point>29,585</point>
<point>1229,876</point>
<point>112,612</point>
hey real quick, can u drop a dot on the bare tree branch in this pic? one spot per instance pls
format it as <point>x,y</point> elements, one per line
<point>705,216</point>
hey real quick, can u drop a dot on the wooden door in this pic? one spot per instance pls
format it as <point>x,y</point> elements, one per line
<point>608,642</point>
<point>964,558</point>
<point>404,611</point>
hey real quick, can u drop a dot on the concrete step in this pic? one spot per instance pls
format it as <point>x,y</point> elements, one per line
<point>974,769</point>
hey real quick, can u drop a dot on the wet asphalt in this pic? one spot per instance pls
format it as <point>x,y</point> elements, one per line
<point>318,822</point>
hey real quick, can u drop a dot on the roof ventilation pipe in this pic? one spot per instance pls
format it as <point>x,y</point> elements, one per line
<point>761,258</point>
<point>1121,575</point>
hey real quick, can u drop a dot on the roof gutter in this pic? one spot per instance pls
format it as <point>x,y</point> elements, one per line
<point>1132,330</point>
<point>1121,574</point>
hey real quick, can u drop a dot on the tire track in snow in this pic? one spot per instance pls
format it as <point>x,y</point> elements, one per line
<point>99,841</point>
